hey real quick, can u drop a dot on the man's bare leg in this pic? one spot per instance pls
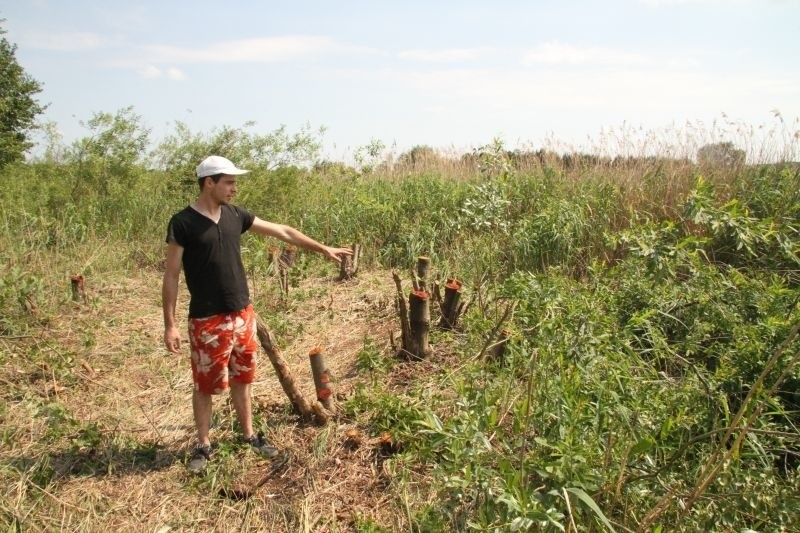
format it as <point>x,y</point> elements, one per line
<point>201,405</point>
<point>240,396</point>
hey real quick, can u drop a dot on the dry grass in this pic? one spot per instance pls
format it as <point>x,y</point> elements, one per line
<point>98,422</point>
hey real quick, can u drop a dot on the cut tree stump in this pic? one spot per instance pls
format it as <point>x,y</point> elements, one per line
<point>423,268</point>
<point>78,288</point>
<point>437,293</point>
<point>308,411</point>
<point>274,256</point>
<point>419,318</point>
<point>497,351</point>
<point>285,262</point>
<point>402,311</point>
<point>349,264</point>
<point>415,319</point>
<point>321,378</point>
<point>451,306</point>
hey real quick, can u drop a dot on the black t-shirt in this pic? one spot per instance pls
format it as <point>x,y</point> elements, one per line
<point>212,260</point>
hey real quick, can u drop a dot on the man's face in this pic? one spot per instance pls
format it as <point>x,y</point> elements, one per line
<point>224,190</point>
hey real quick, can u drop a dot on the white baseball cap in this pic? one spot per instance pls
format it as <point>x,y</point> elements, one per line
<point>214,164</point>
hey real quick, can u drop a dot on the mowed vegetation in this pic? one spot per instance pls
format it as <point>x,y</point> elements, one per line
<point>650,381</point>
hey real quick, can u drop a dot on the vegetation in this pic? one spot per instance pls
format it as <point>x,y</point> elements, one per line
<point>720,155</point>
<point>18,107</point>
<point>651,378</point>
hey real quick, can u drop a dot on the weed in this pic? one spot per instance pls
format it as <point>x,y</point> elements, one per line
<point>371,358</point>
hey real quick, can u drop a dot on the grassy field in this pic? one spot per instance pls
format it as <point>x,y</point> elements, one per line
<point>650,380</point>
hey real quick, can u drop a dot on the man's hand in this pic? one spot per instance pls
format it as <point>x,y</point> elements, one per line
<point>335,254</point>
<point>169,296</point>
<point>172,339</point>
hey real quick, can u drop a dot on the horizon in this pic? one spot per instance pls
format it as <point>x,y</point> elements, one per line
<point>622,76</point>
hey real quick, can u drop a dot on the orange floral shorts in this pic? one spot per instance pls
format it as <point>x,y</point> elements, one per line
<point>223,349</point>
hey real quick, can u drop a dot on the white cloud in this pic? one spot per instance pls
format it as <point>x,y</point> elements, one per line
<point>149,72</point>
<point>65,41</point>
<point>151,61</point>
<point>443,56</point>
<point>259,50</point>
<point>555,53</point>
<point>683,62</point>
<point>153,72</point>
<point>175,74</point>
<point>630,93</point>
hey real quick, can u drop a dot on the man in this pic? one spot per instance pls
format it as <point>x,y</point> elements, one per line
<point>204,239</point>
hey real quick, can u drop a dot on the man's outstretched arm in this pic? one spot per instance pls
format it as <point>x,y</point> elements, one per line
<point>294,236</point>
<point>169,296</point>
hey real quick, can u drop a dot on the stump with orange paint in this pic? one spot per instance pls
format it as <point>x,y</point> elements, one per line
<point>78,288</point>
<point>452,305</point>
<point>415,319</point>
<point>322,381</point>
<point>419,320</point>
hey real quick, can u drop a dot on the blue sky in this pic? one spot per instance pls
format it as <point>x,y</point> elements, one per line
<point>448,74</point>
